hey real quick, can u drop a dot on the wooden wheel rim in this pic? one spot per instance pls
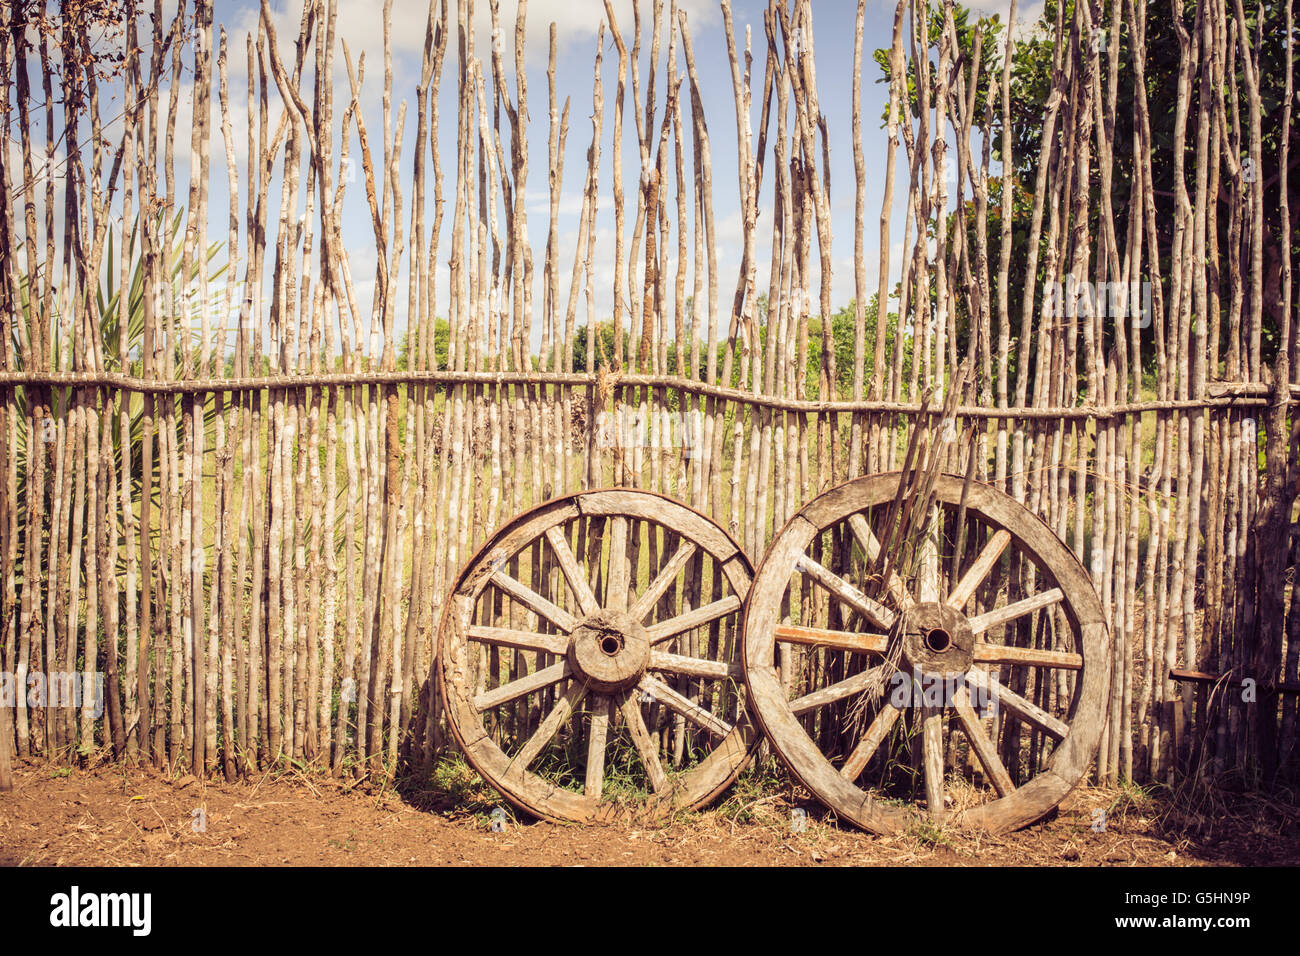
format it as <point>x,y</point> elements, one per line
<point>531,792</point>
<point>770,709</point>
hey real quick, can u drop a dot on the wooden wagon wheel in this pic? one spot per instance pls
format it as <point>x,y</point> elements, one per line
<point>873,664</point>
<point>590,658</point>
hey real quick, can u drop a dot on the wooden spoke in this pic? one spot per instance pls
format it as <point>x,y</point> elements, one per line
<point>549,727</point>
<point>694,666</point>
<point>974,577</point>
<point>523,640</point>
<point>861,755</point>
<point>645,746</point>
<point>836,640</point>
<point>1027,711</point>
<point>837,691</point>
<point>874,611</point>
<point>998,654</point>
<point>692,619</point>
<point>932,759</point>
<point>982,622</point>
<point>577,566</point>
<point>646,602</point>
<point>927,571</point>
<point>535,602</point>
<point>1010,546</point>
<point>524,685</point>
<point>573,573</point>
<point>616,586</point>
<point>597,735</point>
<point>980,743</point>
<point>680,704</point>
<point>870,544</point>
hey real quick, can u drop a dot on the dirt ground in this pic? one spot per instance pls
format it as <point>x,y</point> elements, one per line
<point>117,816</point>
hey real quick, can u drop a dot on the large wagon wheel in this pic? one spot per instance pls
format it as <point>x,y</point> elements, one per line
<point>870,671</point>
<point>590,658</point>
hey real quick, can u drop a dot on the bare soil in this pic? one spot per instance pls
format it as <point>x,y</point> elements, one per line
<point>117,816</point>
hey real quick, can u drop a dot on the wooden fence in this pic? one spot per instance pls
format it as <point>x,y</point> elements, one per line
<point>252,544</point>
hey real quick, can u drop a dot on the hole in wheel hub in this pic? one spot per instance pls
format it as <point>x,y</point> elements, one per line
<point>935,639</point>
<point>609,651</point>
<point>938,640</point>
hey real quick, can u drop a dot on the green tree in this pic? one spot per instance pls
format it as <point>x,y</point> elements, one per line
<point>441,338</point>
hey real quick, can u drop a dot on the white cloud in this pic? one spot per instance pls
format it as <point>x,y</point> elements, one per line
<point>42,174</point>
<point>576,21</point>
<point>1027,16</point>
<point>360,24</point>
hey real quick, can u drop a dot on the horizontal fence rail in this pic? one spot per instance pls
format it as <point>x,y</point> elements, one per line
<point>1218,394</point>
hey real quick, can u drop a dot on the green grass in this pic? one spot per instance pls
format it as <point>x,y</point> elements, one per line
<point>762,795</point>
<point>453,778</point>
<point>928,833</point>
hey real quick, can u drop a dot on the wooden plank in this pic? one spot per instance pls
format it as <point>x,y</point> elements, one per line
<point>876,733</point>
<point>1000,654</point>
<point>983,622</point>
<point>932,760</point>
<point>874,611</point>
<point>535,602</point>
<point>692,619</point>
<point>663,580</point>
<point>1203,677</point>
<point>871,545</point>
<point>833,692</point>
<point>837,640</point>
<point>523,640</point>
<point>524,685</point>
<point>927,559</point>
<point>680,704</point>
<point>1022,708</point>
<point>616,588</point>
<point>573,572</point>
<point>983,747</point>
<point>548,728</point>
<point>641,740</point>
<point>695,666</point>
<point>597,736</point>
<point>978,571</point>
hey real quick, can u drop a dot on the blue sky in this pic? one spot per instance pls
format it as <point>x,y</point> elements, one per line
<point>360,26</point>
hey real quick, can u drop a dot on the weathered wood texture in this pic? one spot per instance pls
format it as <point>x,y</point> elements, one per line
<point>242,498</point>
<point>832,735</point>
<point>606,668</point>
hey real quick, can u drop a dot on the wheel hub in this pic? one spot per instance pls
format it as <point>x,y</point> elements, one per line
<point>609,650</point>
<point>936,639</point>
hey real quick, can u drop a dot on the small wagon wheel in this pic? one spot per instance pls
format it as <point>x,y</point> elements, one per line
<point>966,670</point>
<point>590,659</point>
